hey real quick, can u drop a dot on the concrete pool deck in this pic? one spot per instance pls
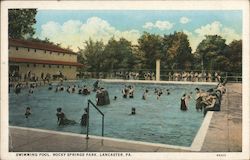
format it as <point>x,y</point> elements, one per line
<point>224,134</point>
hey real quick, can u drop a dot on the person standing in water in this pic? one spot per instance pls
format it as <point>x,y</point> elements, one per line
<point>183,103</point>
<point>27,112</point>
<point>144,96</point>
<point>131,92</point>
<point>60,117</point>
<point>84,118</point>
<point>96,85</point>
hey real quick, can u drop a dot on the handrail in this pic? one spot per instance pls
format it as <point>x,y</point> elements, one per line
<point>90,102</point>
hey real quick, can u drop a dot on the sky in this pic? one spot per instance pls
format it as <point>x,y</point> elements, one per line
<point>72,28</point>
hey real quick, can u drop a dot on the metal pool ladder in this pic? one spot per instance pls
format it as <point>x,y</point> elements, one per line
<point>90,102</point>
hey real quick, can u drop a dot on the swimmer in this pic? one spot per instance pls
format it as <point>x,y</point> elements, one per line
<point>61,118</point>
<point>96,85</point>
<point>85,90</point>
<point>50,87</point>
<point>183,103</point>
<point>18,88</point>
<point>27,112</point>
<point>133,111</point>
<point>131,92</point>
<point>31,89</point>
<point>144,96</point>
<point>159,93</point>
<point>84,117</point>
<point>115,97</point>
<point>125,92</point>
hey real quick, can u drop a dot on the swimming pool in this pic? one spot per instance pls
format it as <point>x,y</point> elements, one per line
<point>156,121</point>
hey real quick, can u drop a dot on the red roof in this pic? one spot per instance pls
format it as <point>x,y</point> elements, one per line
<point>38,45</point>
<point>28,60</point>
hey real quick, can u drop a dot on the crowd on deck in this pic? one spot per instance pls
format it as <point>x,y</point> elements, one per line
<point>15,76</point>
<point>192,76</point>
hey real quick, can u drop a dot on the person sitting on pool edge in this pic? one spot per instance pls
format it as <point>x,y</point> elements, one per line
<point>201,95</point>
<point>61,118</point>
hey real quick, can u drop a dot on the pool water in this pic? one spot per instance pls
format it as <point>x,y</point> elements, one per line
<point>156,121</point>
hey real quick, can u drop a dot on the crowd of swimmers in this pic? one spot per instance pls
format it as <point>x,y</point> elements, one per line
<point>209,100</point>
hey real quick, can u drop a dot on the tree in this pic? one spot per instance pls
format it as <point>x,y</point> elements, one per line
<point>150,46</point>
<point>210,51</point>
<point>21,23</point>
<point>92,55</point>
<point>118,55</point>
<point>234,54</point>
<point>177,51</point>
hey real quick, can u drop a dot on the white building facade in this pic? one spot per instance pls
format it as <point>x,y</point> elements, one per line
<point>37,59</point>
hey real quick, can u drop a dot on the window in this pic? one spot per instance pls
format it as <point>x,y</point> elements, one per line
<point>63,54</point>
<point>35,50</point>
<point>49,66</point>
<point>17,48</point>
<point>58,66</point>
<point>28,49</point>
<point>28,65</point>
<point>44,51</point>
<point>50,52</point>
<point>43,65</point>
<point>62,66</point>
<point>69,66</point>
<point>34,65</point>
<point>58,53</point>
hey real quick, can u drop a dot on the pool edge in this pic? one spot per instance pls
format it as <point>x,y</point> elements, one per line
<point>104,138</point>
<point>157,82</point>
<point>196,145</point>
<point>202,132</point>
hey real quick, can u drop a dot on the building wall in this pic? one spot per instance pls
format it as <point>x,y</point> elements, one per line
<point>41,54</point>
<point>38,69</point>
<point>21,52</point>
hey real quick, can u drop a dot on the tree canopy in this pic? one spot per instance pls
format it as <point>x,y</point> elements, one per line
<point>174,51</point>
<point>211,52</point>
<point>21,22</point>
<point>177,51</point>
<point>150,46</point>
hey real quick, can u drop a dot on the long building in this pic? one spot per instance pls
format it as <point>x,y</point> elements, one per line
<point>40,59</point>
